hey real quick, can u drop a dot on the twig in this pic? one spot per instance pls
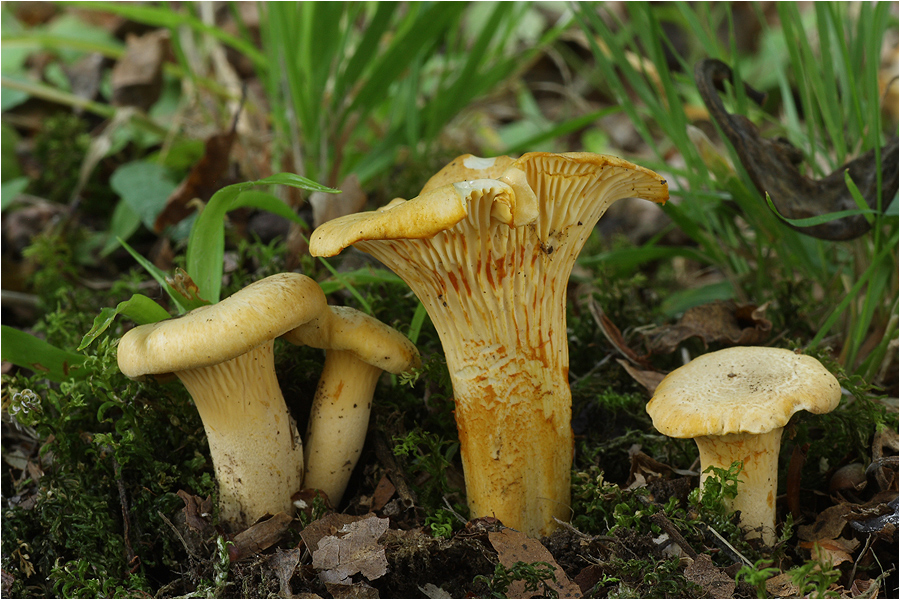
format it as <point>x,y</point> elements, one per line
<point>730,550</point>
<point>177,533</point>
<point>133,560</point>
<point>666,525</point>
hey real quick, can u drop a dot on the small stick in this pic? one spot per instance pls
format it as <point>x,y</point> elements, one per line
<point>666,525</point>
<point>730,550</point>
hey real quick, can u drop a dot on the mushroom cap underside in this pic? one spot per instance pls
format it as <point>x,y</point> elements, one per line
<point>741,390</point>
<point>219,332</point>
<point>517,193</point>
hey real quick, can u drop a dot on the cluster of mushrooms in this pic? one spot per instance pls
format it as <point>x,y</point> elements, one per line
<point>487,246</point>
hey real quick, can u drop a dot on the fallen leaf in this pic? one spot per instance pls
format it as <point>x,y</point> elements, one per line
<point>713,580</point>
<point>432,591</point>
<point>351,590</point>
<point>354,550</point>
<point>829,524</point>
<point>774,166</point>
<point>833,552</point>
<point>205,179</point>
<point>513,546</point>
<point>137,76</point>
<point>196,510</point>
<point>283,563</point>
<point>884,464</point>
<point>722,322</point>
<point>643,466</point>
<point>879,515</point>
<point>383,492</point>
<point>328,525</point>
<point>613,335</point>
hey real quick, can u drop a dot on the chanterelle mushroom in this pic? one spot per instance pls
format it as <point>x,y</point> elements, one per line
<point>490,258</point>
<point>223,355</point>
<point>735,404</point>
<point>358,348</point>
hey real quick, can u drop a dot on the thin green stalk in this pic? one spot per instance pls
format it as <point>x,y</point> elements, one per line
<point>52,94</point>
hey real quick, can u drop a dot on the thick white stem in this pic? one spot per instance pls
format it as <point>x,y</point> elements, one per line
<point>254,443</point>
<point>338,422</point>
<point>758,485</point>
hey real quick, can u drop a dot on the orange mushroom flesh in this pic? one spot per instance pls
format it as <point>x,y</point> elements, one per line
<point>490,259</point>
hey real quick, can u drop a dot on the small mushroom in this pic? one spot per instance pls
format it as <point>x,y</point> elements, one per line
<point>223,353</point>
<point>358,348</point>
<point>488,247</point>
<point>735,403</point>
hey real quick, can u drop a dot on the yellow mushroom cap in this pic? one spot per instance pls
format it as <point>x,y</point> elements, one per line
<point>741,390</point>
<point>466,168</point>
<point>219,332</point>
<point>368,339</point>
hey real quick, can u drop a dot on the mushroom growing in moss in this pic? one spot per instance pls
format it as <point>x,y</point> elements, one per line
<point>488,247</point>
<point>735,403</point>
<point>358,348</point>
<point>223,353</point>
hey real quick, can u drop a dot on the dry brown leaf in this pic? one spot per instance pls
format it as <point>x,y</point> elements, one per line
<point>722,322</point>
<point>829,524</point>
<point>196,509</point>
<point>137,76</point>
<point>712,579</point>
<point>834,552</point>
<point>330,524</point>
<point>513,546</point>
<point>283,563</point>
<point>354,550</point>
<point>614,336</point>
<point>205,179</point>
<point>384,491</point>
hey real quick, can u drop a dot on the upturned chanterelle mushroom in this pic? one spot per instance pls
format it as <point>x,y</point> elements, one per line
<point>223,355</point>
<point>488,247</point>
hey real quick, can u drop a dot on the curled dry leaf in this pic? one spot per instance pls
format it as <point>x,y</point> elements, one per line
<point>646,377</point>
<point>205,179</point>
<point>721,322</point>
<point>833,552</point>
<point>774,166</point>
<point>283,563</point>
<point>196,510</point>
<point>137,77</point>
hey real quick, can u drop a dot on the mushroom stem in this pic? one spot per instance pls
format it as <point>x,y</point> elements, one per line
<point>338,422</point>
<point>255,446</point>
<point>758,479</point>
